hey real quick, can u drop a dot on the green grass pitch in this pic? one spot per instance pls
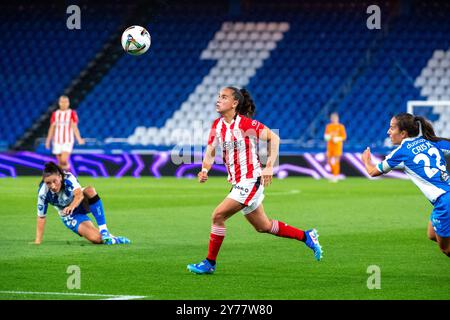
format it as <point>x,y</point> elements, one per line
<point>361,223</point>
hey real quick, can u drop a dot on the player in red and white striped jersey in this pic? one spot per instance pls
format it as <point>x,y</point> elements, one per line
<point>63,129</point>
<point>237,134</point>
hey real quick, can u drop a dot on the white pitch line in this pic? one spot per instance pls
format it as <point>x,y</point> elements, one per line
<point>125,298</point>
<point>280,193</point>
<point>108,296</point>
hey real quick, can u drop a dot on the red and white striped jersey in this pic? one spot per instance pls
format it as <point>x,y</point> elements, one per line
<point>239,142</point>
<point>63,125</point>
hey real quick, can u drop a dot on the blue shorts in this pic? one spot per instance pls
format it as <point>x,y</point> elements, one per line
<point>74,220</point>
<point>440,217</point>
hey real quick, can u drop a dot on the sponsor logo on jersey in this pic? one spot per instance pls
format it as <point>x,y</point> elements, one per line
<point>228,145</point>
<point>242,189</point>
<point>61,200</point>
<point>414,143</point>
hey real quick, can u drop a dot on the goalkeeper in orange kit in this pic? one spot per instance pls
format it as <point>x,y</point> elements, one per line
<point>334,135</point>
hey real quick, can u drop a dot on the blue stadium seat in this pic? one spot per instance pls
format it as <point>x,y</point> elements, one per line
<point>297,86</point>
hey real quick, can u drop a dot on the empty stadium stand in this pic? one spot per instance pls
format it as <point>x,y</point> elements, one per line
<point>300,63</point>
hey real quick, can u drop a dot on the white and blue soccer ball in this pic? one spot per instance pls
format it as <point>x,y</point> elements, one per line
<point>136,40</point>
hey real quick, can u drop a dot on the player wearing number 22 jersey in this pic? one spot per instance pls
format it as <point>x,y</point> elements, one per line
<point>421,155</point>
<point>424,162</point>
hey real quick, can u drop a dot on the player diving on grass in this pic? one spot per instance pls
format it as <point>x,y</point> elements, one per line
<point>238,136</point>
<point>421,155</point>
<point>62,190</point>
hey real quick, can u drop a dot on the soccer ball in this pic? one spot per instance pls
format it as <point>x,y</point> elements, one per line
<point>136,40</point>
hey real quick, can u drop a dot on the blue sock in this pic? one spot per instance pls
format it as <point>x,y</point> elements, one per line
<point>96,207</point>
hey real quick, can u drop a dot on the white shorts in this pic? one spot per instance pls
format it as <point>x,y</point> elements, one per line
<point>249,192</point>
<point>59,148</point>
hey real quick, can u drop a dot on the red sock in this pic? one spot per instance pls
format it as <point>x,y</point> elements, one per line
<point>281,229</point>
<point>215,241</point>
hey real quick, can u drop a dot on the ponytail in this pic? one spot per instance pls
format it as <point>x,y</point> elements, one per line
<point>246,106</point>
<point>425,129</point>
<point>417,126</point>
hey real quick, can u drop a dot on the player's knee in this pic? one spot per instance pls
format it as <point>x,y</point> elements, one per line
<point>218,217</point>
<point>431,236</point>
<point>89,191</point>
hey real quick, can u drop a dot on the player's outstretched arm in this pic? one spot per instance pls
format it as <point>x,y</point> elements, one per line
<point>207,163</point>
<point>40,227</point>
<point>370,167</point>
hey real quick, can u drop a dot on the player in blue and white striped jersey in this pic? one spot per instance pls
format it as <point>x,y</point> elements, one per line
<point>421,155</point>
<point>62,190</point>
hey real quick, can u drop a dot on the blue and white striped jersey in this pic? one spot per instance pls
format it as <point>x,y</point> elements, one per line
<point>59,200</point>
<point>424,162</point>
